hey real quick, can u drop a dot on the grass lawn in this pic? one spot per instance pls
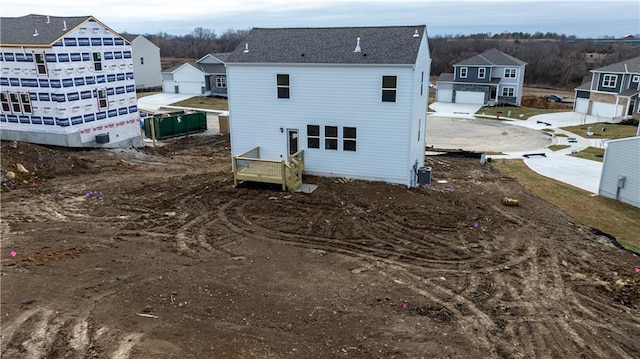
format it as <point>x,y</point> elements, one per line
<point>604,130</point>
<point>516,111</point>
<point>210,103</point>
<point>591,153</point>
<point>558,147</point>
<point>605,214</point>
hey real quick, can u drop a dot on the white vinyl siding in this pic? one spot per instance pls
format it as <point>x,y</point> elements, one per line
<point>324,96</point>
<point>618,162</point>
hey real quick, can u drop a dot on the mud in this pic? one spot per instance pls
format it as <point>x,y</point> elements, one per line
<point>153,253</point>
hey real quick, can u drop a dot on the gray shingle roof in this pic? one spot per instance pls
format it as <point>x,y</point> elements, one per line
<point>491,57</point>
<point>584,87</point>
<point>632,65</point>
<point>222,56</point>
<point>20,30</point>
<point>206,68</point>
<point>379,45</point>
<point>446,77</point>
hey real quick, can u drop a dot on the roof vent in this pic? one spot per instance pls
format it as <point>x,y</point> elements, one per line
<point>415,34</point>
<point>48,20</point>
<point>64,23</point>
<point>246,47</point>
<point>36,33</point>
<point>357,45</point>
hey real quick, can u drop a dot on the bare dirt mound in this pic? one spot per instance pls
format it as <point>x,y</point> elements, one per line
<point>153,253</point>
<point>541,102</point>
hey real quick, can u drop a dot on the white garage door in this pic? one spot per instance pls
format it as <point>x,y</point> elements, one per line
<point>582,104</point>
<point>444,95</point>
<point>470,97</point>
<point>190,87</point>
<point>609,110</point>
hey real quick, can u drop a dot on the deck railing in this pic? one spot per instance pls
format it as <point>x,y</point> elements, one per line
<point>248,166</point>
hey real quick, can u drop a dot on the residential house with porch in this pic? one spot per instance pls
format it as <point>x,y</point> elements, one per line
<point>344,102</point>
<point>612,92</point>
<point>489,78</point>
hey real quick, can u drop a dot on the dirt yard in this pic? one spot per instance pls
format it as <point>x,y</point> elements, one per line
<point>153,253</point>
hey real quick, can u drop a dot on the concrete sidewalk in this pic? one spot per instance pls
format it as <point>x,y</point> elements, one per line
<point>153,103</point>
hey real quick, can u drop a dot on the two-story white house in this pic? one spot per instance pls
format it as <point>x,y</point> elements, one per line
<point>491,77</point>
<point>66,81</point>
<point>354,99</point>
<point>146,62</point>
<point>612,91</point>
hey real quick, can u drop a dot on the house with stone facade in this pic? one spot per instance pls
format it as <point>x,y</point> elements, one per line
<point>489,78</point>
<point>612,92</point>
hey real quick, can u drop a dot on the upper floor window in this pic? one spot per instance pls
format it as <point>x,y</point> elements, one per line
<point>510,73</point>
<point>40,64</point>
<point>635,78</point>
<point>97,61</point>
<point>421,82</point>
<point>508,91</point>
<point>102,98</point>
<point>389,88</point>
<point>142,61</point>
<point>283,85</point>
<point>609,81</point>
<point>463,72</point>
<point>482,72</point>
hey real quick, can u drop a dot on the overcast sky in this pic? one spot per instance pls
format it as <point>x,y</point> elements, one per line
<point>583,18</point>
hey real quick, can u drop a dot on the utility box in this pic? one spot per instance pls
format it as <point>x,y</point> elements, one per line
<point>424,176</point>
<point>102,138</point>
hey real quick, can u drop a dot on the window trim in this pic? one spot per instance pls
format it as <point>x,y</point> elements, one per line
<point>635,78</point>
<point>4,102</point>
<point>484,72</point>
<point>506,88</point>
<point>313,137</point>
<point>100,98</point>
<point>609,81</point>
<point>97,63</point>
<point>331,138</point>
<point>346,140</point>
<point>463,72</point>
<point>23,104</point>
<point>510,72</point>
<point>283,91</point>
<point>389,90</point>
<point>41,66</point>
<point>221,82</point>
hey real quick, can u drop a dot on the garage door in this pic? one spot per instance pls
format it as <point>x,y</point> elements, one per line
<point>582,104</point>
<point>443,95</point>
<point>609,110</point>
<point>190,87</point>
<point>470,97</point>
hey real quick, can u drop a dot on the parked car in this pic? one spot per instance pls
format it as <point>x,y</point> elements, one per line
<point>554,98</point>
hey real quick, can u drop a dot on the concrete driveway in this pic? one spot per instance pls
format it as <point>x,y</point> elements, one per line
<point>154,102</point>
<point>454,127</point>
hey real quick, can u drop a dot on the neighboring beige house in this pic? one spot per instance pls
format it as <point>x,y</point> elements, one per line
<point>146,62</point>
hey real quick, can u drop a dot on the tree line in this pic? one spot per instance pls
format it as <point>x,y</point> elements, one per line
<point>553,60</point>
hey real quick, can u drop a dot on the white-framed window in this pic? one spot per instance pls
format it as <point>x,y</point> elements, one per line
<point>482,72</point>
<point>330,137</point>
<point>282,83</point>
<point>508,91</point>
<point>349,138</point>
<point>510,73</point>
<point>142,61</point>
<point>4,100</point>
<point>221,82</point>
<point>97,61</point>
<point>25,101</point>
<point>101,95</point>
<point>635,78</point>
<point>41,64</point>
<point>313,136</point>
<point>609,81</point>
<point>389,88</point>
<point>463,72</point>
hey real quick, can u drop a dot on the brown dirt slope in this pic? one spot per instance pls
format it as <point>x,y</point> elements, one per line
<point>153,253</point>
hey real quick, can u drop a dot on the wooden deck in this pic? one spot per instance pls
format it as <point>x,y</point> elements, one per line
<point>248,166</point>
